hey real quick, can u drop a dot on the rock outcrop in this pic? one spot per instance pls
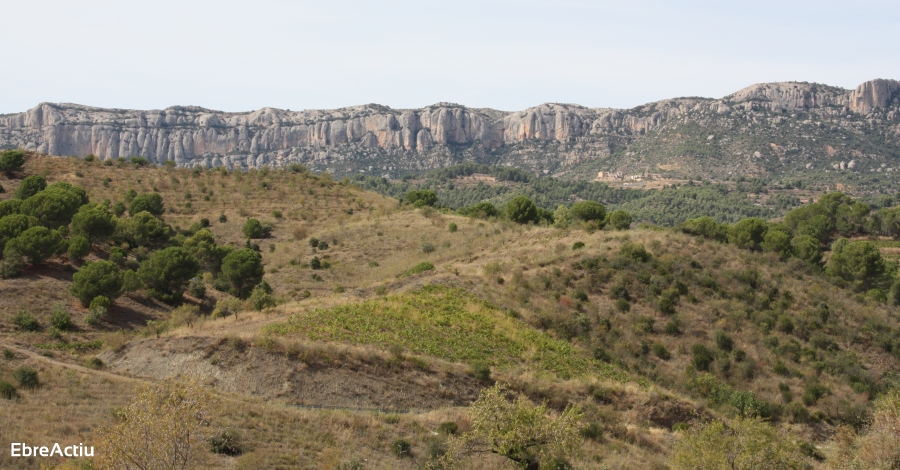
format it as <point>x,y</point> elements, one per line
<point>380,140</point>
<point>873,94</point>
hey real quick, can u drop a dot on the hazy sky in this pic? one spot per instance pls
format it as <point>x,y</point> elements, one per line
<point>504,54</point>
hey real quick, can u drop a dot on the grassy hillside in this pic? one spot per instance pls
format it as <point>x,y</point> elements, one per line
<point>646,330</point>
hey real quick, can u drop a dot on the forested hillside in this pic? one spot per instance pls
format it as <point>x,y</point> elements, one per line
<point>667,207</point>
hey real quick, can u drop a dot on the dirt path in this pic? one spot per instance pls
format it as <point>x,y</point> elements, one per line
<point>33,355</point>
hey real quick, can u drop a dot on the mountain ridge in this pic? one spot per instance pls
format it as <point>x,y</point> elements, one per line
<point>550,138</point>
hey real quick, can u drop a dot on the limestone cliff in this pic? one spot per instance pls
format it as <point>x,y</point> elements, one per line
<point>379,140</point>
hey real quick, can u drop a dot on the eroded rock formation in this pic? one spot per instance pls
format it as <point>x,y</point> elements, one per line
<point>381,140</point>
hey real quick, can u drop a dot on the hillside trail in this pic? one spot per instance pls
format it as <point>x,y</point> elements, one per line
<point>145,382</point>
<point>86,370</point>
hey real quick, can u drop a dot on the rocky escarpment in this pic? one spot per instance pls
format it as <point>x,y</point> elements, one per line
<point>379,140</point>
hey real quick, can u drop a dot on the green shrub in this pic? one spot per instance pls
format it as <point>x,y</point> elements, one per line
<point>452,227</point>
<point>667,301</point>
<point>227,442</point>
<point>481,371</point>
<point>620,220</point>
<point>781,369</point>
<point>482,210</point>
<point>723,340</point>
<point>635,251</point>
<point>27,377</point>
<point>419,268</point>
<point>30,186</point>
<point>521,210</point>
<point>623,305</point>
<point>592,431</point>
<point>748,233</point>
<point>12,161</point>
<point>580,295</point>
<point>254,229</point>
<point>427,247</point>
<point>139,161</point>
<point>786,395</point>
<point>813,392</point>
<point>660,351</point>
<point>702,357</point>
<point>425,197</point>
<point>94,363</point>
<point>100,301</point>
<point>79,247</point>
<point>587,211</point>
<point>26,321</point>
<point>197,288</point>
<point>147,202</point>
<point>401,448</point>
<point>261,298</point>
<point>448,428</point>
<point>577,246</point>
<point>95,317</point>
<point>673,327</point>
<point>60,318</point>
<point>8,390</point>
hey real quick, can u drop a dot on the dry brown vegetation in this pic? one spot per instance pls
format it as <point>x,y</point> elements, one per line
<point>532,273</point>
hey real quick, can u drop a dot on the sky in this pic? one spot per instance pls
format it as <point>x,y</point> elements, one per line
<point>502,54</point>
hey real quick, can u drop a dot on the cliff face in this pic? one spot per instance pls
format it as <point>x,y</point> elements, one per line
<point>380,140</point>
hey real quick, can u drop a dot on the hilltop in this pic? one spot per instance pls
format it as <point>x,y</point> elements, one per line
<point>786,132</point>
<point>373,304</point>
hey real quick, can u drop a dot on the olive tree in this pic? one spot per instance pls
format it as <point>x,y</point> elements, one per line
<point>744,444</point>
<point>877,445</point>
<point>165,427</point>
<point>525,433</point>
